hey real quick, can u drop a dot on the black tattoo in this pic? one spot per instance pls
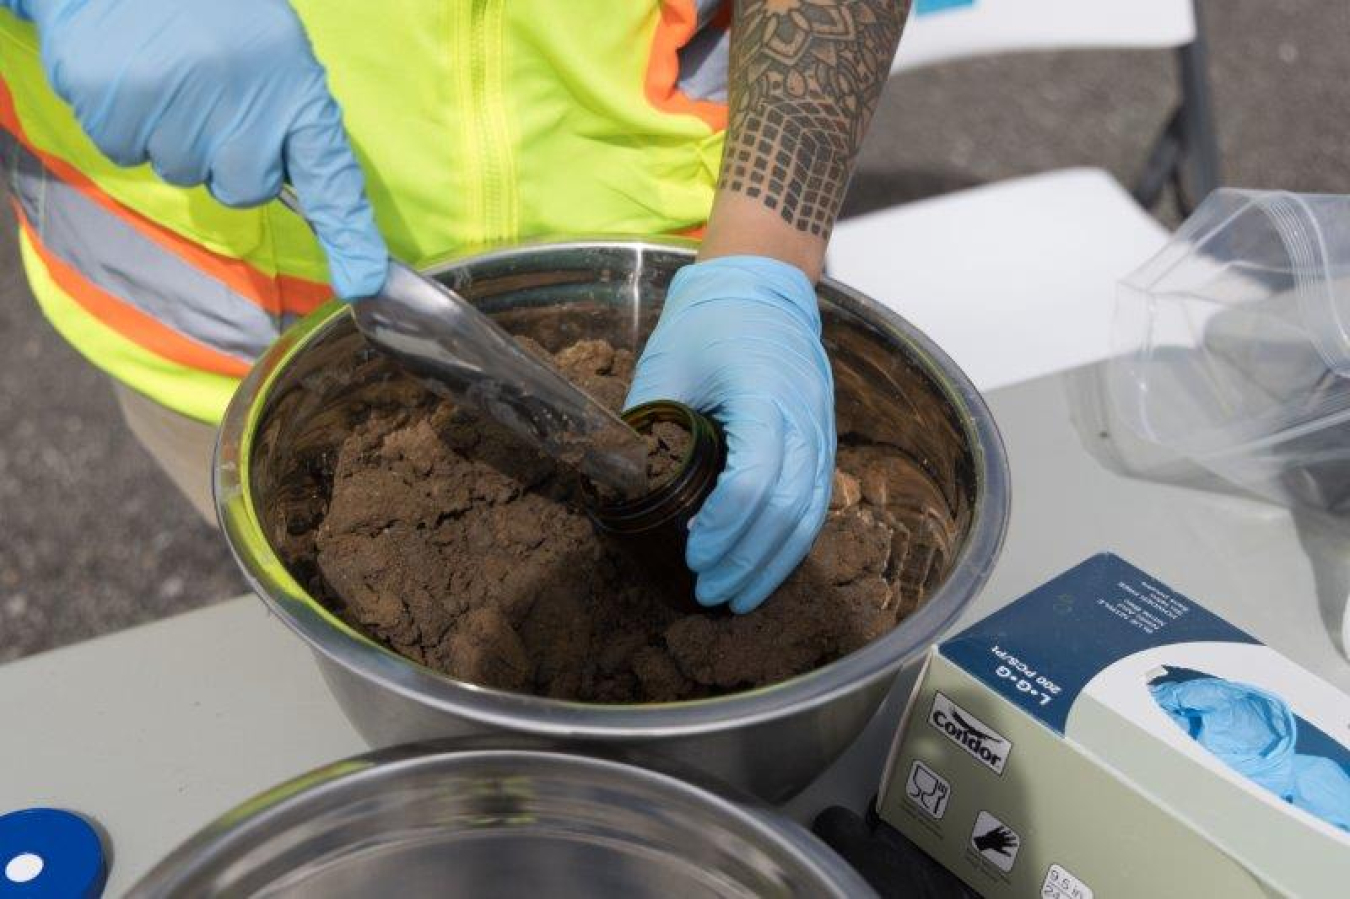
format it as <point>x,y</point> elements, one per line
<point>805,78</point>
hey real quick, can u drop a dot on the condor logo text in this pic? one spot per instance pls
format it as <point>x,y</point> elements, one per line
<point>970,733</point>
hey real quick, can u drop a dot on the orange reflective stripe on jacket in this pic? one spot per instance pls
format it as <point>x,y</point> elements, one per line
<point>666,89</point>
<point>295,297</point>
<point>126,318</point>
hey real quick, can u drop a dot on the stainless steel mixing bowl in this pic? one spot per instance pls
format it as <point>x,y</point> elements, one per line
<point>497,823</point>
<point>894,387</point>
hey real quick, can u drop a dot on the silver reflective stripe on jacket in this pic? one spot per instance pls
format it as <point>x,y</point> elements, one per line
<point>117,258</point>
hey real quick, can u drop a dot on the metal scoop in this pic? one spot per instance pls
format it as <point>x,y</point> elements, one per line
<point>452,347</point>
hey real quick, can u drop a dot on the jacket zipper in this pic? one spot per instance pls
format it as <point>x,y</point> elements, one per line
<point>489,160</point>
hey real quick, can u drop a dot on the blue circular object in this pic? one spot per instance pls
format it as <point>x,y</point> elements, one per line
<point>50,854</point>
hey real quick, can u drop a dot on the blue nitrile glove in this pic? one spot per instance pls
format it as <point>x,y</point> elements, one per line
<point>226,94</point>
<point>1251,731</point>
<point>1255,733</point>
<point>1322,787</point>
<point>739,339</point>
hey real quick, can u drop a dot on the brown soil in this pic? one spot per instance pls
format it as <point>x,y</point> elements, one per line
<point>667,444</point>
<point>447,541</point>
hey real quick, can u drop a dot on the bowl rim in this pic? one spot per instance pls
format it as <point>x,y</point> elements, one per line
<point>362,657</point>
<point>217,846</point>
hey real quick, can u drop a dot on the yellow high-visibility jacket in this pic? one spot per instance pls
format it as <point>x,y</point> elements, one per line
<point>477,122</point>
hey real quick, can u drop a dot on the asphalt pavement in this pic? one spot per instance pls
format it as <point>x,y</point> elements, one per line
<point>94,538</point>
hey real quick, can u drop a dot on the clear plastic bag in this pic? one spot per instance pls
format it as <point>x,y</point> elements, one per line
<point>1232,345</point>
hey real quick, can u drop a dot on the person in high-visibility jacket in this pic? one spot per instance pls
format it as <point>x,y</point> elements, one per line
<point>145,142</point>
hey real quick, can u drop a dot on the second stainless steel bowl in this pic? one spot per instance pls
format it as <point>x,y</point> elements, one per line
<point>483,824</point>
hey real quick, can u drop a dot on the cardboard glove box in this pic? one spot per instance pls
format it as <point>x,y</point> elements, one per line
<point>1106,736</point>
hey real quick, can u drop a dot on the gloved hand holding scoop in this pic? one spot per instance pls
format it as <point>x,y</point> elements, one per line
<point>259,112</point>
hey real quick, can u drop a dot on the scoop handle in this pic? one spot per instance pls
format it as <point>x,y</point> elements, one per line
<point>438,335</point>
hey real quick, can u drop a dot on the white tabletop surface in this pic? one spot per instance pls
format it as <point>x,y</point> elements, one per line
<point>155,731</point>
<point>1015,280</point>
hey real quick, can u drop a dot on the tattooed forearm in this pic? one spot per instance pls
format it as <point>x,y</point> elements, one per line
<point>805,77</point>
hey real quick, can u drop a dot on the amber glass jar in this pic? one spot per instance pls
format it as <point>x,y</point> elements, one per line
<point>655,527</point>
